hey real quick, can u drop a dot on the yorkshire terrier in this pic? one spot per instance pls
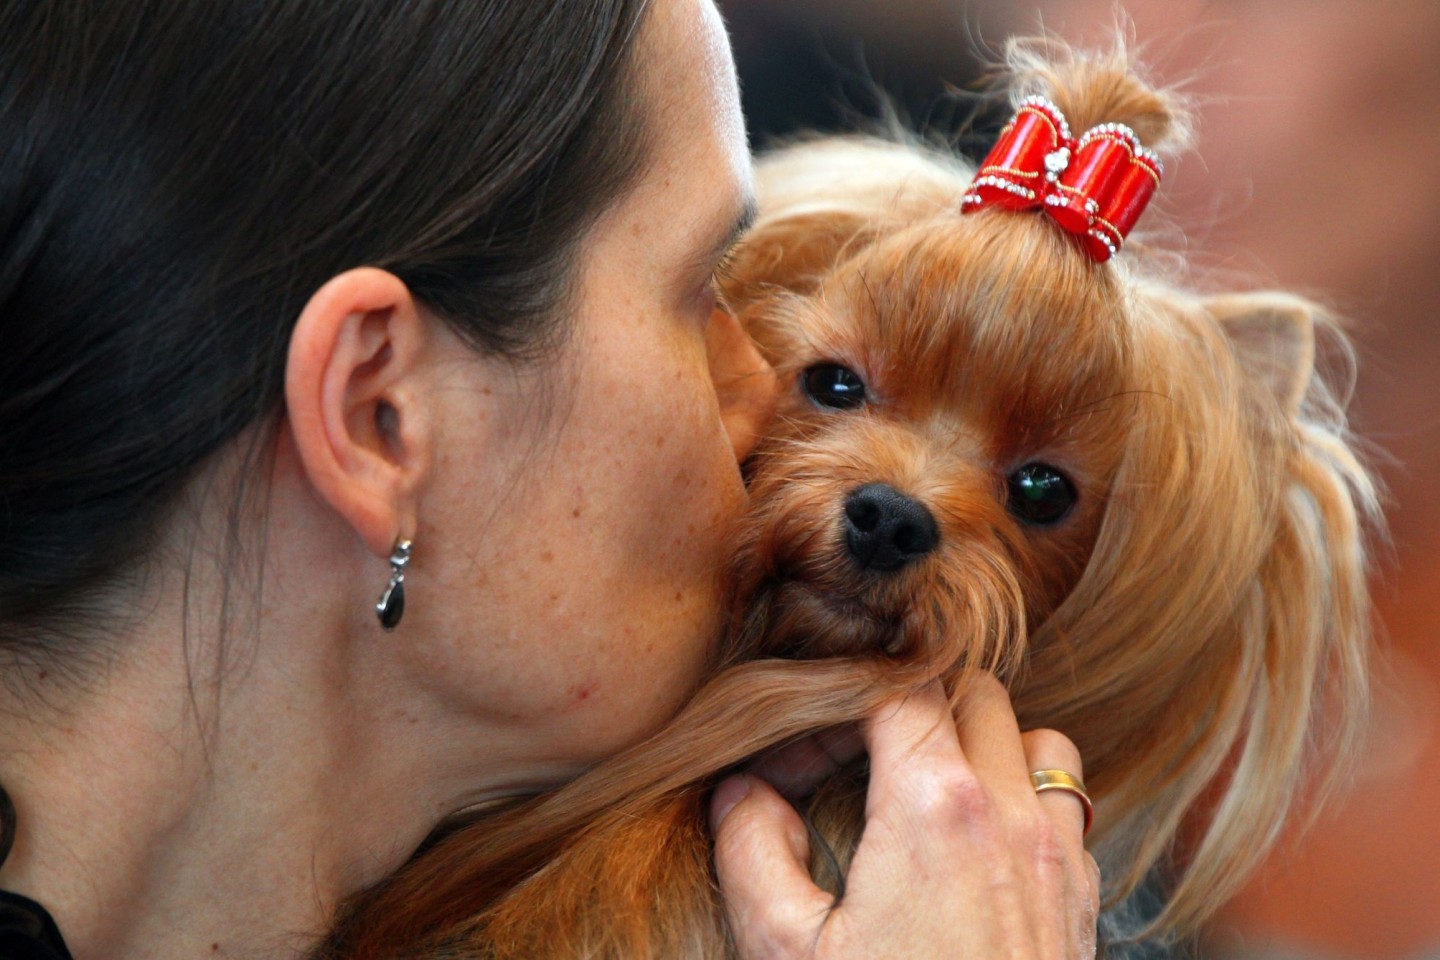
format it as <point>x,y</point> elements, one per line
<point>1000,445</point>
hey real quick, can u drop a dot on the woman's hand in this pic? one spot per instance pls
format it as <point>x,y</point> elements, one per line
<point>959,857</point>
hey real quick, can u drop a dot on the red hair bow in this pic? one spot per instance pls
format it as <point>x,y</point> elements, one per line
<point>1095,187</point>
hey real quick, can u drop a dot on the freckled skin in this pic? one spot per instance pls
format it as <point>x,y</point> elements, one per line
<point>599,496</point>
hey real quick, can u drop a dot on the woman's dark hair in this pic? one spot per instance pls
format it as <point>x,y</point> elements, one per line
<point>177,177</point>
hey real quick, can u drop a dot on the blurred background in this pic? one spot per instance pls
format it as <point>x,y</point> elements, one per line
<point>1318,170</point>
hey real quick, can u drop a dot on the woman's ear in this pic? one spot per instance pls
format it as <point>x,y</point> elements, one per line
<point>358,419</point>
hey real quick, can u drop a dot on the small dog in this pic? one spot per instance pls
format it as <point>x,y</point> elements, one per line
<point>997,448</point>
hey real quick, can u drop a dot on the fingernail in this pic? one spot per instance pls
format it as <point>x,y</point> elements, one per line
<point>727,795</point>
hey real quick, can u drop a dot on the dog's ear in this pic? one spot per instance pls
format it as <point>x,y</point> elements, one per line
<point>745,384</point>
<point>823,198</point>
<point>792,252</point>
<point>1274,339</point>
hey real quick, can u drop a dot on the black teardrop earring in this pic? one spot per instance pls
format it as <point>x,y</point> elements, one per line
<point>392,602</point>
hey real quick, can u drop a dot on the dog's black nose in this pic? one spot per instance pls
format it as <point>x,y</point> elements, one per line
<point>884,529</point>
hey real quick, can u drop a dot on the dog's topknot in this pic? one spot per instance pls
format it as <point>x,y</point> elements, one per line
<point>1092,87</point>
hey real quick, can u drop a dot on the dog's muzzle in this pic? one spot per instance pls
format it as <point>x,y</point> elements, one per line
<point>884,529</point>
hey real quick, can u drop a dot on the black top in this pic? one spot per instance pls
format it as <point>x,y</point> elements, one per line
<point>27,932</point>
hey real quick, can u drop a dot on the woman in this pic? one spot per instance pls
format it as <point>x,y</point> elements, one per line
<point>286,287</point>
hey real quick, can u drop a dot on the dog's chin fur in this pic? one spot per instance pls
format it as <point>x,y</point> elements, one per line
<point>805,595</point>
<point>1187,623</point>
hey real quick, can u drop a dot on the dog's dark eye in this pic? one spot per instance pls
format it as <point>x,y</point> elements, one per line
<point>1040,494</point>
<point>831,385</point>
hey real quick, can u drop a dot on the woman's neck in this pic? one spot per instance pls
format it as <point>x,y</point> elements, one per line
<point>147,832</point>
<point>197,797</point>
<point>162,813</point>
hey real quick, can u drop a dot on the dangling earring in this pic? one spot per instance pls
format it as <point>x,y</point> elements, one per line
<point>392,602</point>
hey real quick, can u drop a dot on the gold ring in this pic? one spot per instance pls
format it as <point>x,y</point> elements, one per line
<point>1043,780</point>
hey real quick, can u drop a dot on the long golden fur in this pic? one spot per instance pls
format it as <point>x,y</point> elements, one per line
<point>1193,624</point>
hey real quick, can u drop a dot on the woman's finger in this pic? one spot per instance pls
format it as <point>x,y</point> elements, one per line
<point>1052,750</point>
<point>913,749</point>
<point>990,736</point>
<point>797,768</point>
<point>761,856</point>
